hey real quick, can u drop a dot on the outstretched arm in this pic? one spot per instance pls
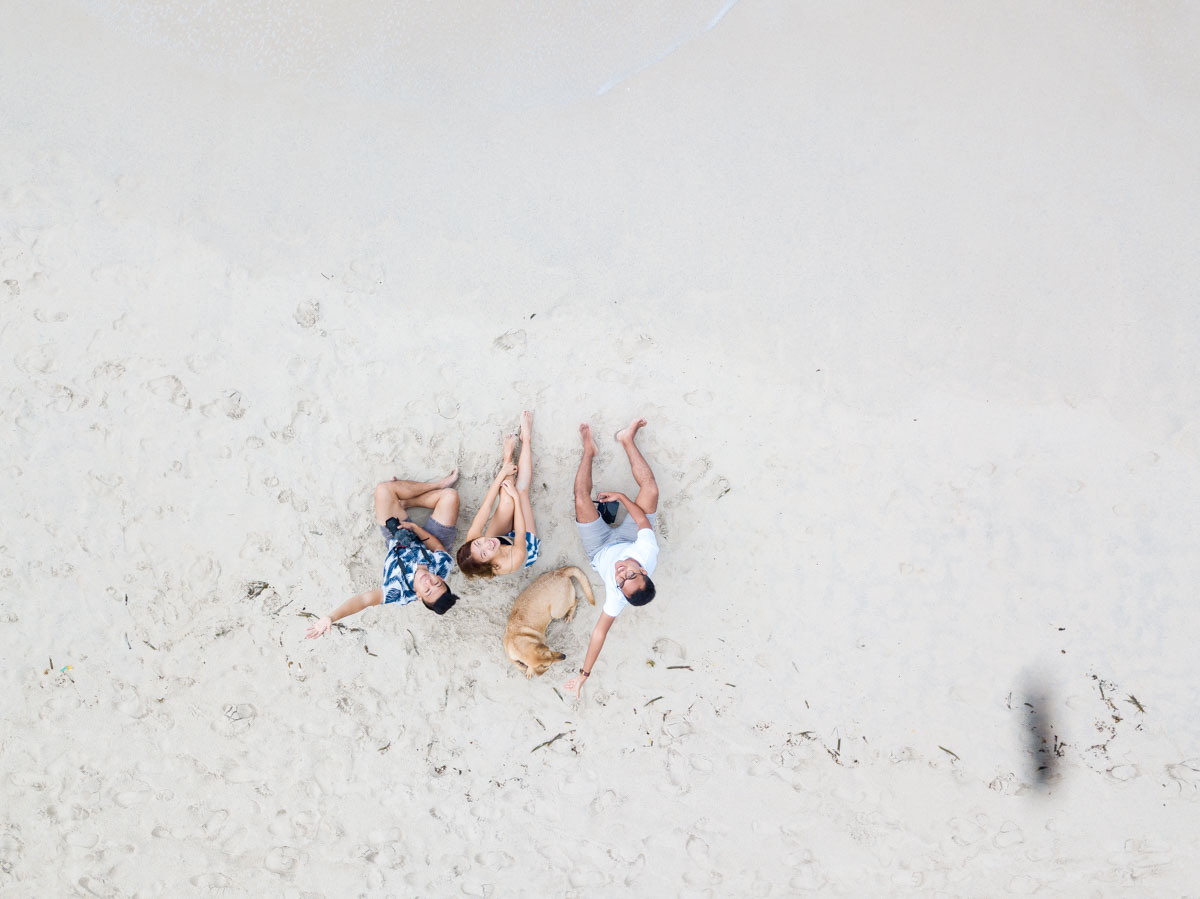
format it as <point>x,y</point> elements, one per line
<point>599,633</point>
<point>507,470</point>
<point>351,606</point>
<point>636,512</point>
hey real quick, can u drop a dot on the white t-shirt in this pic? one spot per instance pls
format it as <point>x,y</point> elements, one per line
<point>644,550</point>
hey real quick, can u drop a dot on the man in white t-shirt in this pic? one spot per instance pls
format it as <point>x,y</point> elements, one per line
<point>623,556</point>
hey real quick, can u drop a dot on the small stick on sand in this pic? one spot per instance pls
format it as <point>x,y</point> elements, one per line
<point>655,699</point>
<point>673,667</point>
<point>948,752</point>
<point>551,740</point>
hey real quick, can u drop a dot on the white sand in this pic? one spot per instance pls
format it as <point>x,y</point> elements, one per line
<point>908,297</point>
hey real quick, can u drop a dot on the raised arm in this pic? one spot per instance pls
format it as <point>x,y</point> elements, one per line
<point>636,512</point>
<point>479,522</point>
<point>599,634</point>
<point>352,606</point>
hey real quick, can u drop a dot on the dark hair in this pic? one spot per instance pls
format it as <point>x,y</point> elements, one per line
<point>473,567</point>
<point>443,603</point>
<point>643,596</point>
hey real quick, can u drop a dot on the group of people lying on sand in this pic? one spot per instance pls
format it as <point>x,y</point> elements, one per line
<point>502,538</point>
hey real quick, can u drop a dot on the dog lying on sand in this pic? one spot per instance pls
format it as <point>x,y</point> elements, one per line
<point>551,596</point>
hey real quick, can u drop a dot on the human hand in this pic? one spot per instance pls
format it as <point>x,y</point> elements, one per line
<point>574,685</point>
<point>507,470</point>
<point>508,488</point>
<point>609,496</point>
<point>407,525</point>
<point>321,626</point>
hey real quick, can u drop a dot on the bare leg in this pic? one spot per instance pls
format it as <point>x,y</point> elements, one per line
<point>394,496</point>
<point>525,463</point>
<point>443,501</point>
<point>585,511</point>
<point>647,496</point>
<point>502,521</point>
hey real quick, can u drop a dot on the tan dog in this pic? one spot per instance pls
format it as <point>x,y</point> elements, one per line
<point>551,596</point>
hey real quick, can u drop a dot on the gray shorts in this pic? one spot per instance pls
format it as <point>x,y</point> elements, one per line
<point>445,534</point>
<point>596,534</point>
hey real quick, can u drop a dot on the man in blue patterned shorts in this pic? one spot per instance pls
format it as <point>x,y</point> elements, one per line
<point>417,562</point>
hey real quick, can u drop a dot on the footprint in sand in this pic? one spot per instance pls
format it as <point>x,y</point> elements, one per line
<point>170,388</point>
<point>1186,772</point>
<point>447,406</point>
<point>808,876</point>
<point>511,340</point>
<point>132,794</point>
<point>677,771</point>
<point>254,546</point>
<point>83,839</point>
<point>211,881</point>
<point>963,832</point>
<point>216,821</point>
<point>307,314</point>
<point>675,729</point>
<point>1023,885</point>
<point>606,800</point>
<point>236,718</point>
<point>669,649</point>
<point>590,878</point>
<point>231,405</point>
<point>203,573</point>
<point>1123,772</point>
<point>282,860</point>
<point>109,370</point>
<point>96,887</point>
<point>697,850</point>
<point>698,398</point>
<point>1008,835</point>
<point>37,360</point>
<point>529,391</point>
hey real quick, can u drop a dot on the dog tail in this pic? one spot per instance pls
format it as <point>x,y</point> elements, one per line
<point>582,579</point>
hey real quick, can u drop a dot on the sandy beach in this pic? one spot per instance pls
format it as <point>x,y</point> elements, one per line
<point>908,296</point>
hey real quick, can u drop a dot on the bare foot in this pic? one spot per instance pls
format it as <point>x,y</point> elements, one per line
<point>585,434</point>
<point>526,424</point>
<point>510,444</point>
<point>627,435</point>
<point>448,480</point>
